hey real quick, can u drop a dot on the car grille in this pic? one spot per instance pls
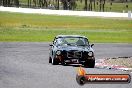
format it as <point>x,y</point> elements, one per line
<point>74,54</point>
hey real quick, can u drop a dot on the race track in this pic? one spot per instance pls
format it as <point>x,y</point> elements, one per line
<point>25,65</point>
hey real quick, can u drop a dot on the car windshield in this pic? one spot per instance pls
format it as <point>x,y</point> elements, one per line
<point>72,41</point>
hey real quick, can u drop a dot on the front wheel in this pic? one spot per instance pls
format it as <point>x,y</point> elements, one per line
<point>89,63</point>
<point>50,60</point>
<point>54,62</point>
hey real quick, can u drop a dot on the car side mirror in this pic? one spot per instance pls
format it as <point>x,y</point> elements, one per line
<point>92,45</point>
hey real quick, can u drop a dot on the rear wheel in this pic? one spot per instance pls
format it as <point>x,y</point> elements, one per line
<point>89,63</point>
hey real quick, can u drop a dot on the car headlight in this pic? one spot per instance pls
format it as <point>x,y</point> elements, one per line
<point>90,53</point>
<point>58,52</point>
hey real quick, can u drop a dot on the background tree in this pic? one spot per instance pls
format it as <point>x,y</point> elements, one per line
<point>101,5</point>
<point>65,4</point>
<point>29,3</point>
<point>110,4</point>
<point>94,4</point>
<point>9,2</point>
<point>81,1</point>
<point>72,4</point>
<point>35,3</point>
<point>4,2</point>
<point>127,4</point>
<point>86,5</point>
<point>16,2</point>
<point>90,5</point>
<point>0,2</point>
<point>43,3</point>
<point>58,5</point>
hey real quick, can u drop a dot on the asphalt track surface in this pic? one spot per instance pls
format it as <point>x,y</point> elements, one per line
<point>25,65</point>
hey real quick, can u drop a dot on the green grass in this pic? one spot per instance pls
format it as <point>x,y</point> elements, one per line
<point>70,22</point>
<point>40,28</point>
<point>48,35</point>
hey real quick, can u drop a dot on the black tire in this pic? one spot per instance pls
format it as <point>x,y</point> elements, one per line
<point>89,63</point>
<point>55,62</point>
<point>50,60</point>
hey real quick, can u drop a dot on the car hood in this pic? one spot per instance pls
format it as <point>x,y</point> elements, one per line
<point>78,48</point>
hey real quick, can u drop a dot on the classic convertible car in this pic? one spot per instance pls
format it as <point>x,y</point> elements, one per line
<point>68,49</point>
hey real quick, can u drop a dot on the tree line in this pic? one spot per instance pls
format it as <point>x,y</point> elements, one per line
<point>67,4</point>
<point>9,3</point>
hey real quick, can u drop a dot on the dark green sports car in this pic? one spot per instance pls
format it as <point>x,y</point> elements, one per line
<point>69,49</point>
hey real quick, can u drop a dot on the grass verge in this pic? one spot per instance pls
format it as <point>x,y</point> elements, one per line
<point>40,28</point>
<point>33,35</point>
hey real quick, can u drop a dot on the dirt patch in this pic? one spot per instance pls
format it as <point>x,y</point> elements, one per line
<point>121,61</point>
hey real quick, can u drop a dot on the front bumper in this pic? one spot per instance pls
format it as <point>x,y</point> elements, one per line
<point>62,58</point>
